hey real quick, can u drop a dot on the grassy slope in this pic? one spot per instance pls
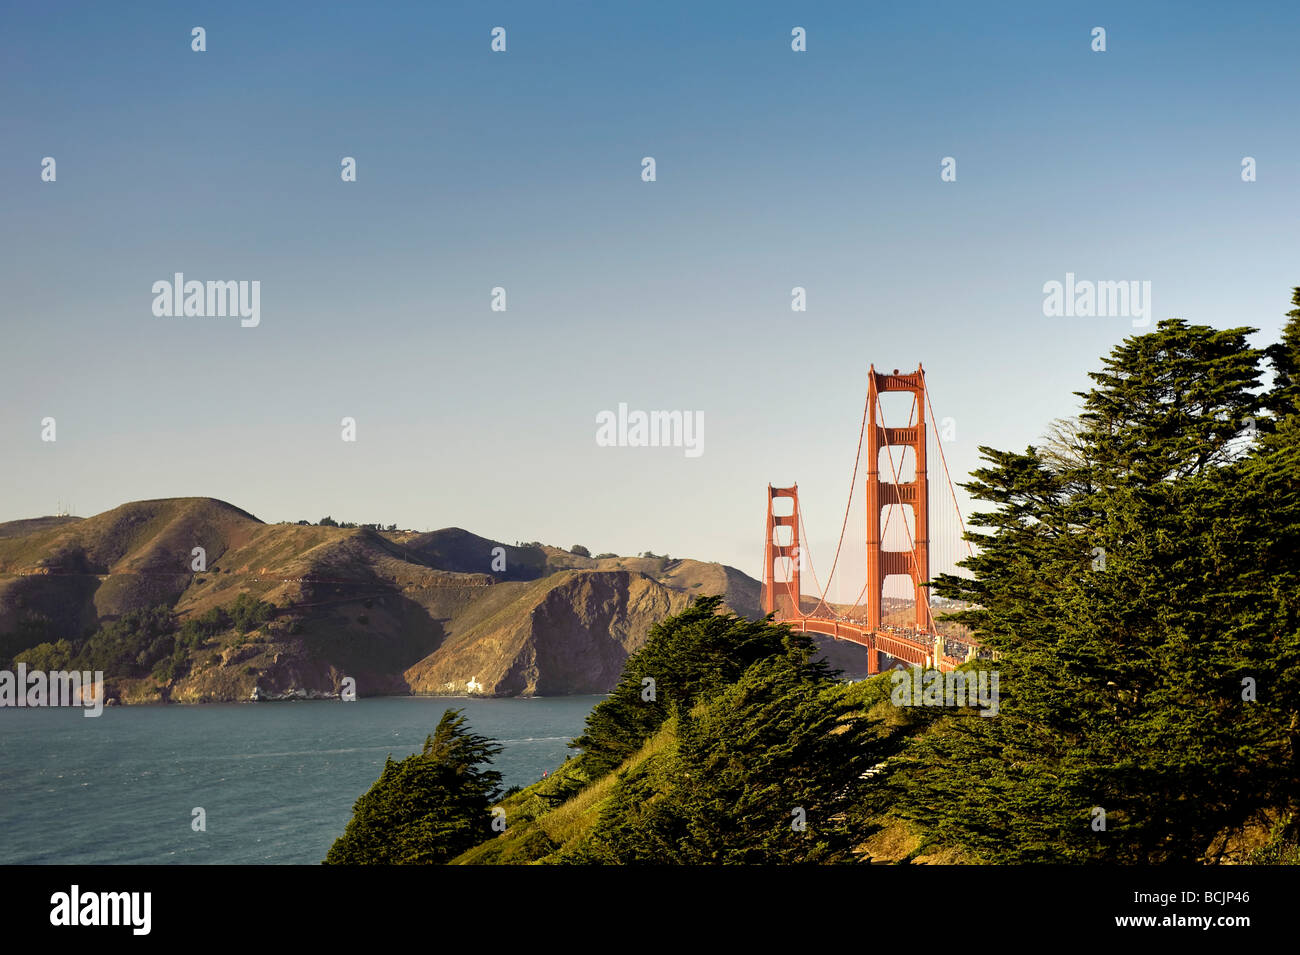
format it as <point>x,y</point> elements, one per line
<point>539,833</point>
<point>536,832</point>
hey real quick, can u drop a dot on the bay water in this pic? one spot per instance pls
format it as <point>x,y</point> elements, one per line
<point>276,781</point>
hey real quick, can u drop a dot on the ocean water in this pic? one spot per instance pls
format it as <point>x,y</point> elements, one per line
<point>277,780</point>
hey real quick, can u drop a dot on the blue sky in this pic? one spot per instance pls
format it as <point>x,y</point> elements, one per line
<point>522,170</point>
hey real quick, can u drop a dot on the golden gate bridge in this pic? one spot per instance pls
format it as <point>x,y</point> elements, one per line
<point>919,641</point>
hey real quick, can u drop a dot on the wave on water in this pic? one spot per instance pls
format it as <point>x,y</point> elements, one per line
<point>296,752</point>
<point>359,749</point>
<point>538,739</point>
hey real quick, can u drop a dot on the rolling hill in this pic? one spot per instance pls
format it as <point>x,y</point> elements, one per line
<point>398,612</point>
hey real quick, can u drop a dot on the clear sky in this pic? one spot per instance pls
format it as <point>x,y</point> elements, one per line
<point>523,170</point>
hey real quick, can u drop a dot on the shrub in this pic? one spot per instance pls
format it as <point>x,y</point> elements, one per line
<point>248,612</point>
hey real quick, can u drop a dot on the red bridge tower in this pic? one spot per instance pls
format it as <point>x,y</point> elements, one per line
<point>915,562</point>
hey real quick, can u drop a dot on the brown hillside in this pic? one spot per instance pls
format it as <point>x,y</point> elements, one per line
<point>33,525</point>
<point>394,611</point>
<point>567,633</point>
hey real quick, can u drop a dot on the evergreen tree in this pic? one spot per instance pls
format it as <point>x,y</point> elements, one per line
<point>428,807</point>
<point>1284,398</point>
<point>767,772</point>
<point>686,657</point>
<point>1130,590</point>
<point>1169,404</point>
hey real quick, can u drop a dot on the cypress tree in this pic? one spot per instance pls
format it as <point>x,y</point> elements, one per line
<point>768,771</point>
<point>428,807</point>
<point>686,657</point>
<point>1131,590</point>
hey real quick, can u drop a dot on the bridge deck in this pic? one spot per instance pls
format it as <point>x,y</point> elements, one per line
<point>914,647</point>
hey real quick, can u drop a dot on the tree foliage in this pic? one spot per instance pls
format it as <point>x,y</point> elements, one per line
<point>769,771</point>
<point>428,807</point>
<point>685,658</point>
<point>1137,592</point>
<point>146,641</point>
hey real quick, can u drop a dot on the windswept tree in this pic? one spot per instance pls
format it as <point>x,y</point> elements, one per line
<point>685,658</point>
<point>1141,594</point>
<point>769,771</point>
<point>428,807</point>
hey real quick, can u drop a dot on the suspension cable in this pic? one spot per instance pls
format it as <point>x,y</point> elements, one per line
<point>853,483</point>
<point>952,490</point>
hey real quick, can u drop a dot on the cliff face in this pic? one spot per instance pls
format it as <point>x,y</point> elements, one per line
<point>569,634</point>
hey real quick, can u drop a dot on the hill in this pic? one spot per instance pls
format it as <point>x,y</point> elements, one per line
<point>566,633</point>
<point>444,612</point>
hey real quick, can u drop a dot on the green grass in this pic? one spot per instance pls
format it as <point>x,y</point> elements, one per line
<point>537,833</point>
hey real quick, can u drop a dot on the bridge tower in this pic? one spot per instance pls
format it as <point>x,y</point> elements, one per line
<point>914,563</point>
<point>781,596</point>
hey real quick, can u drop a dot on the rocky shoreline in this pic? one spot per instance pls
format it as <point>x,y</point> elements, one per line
<point>292,693</point>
